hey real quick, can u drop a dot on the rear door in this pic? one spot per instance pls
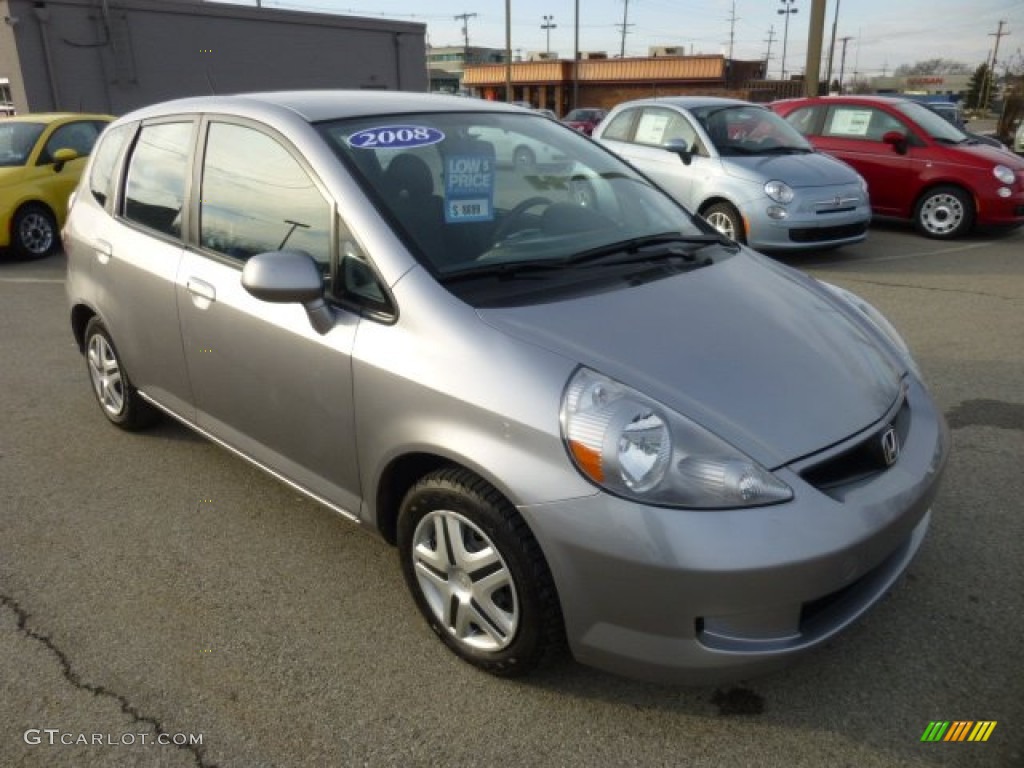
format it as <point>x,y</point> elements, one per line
<point>265,382</point>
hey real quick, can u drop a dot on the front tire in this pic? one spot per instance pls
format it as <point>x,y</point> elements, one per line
<point>944,213</point>
<point>117,398</point>
<point>477,574</point>
<point>726,220</point>
<point>34,232</point>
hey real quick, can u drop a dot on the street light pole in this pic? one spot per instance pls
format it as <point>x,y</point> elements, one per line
<point>547,26</point>
<point>787,11</point>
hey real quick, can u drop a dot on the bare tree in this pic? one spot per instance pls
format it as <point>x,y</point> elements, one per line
<point>933,67</point>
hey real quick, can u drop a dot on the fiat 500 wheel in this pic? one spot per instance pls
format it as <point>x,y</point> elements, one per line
<point>944,213</point>
<point>477,574</point>
<point>34,232</point>
<point>118,399</point>
<point>726,220</point>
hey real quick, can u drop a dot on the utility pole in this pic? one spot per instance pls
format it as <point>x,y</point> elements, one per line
<point>987,90</point>
<point>842,60</point>
<point>768,55</point>
<point>465,17</point>
<point>576,56</point>
<point>831,49</point>
<point>508,51</point>
<point>547,26</point>
<point>625,28</point>
<point>787,11</point>
<point>732,28</point>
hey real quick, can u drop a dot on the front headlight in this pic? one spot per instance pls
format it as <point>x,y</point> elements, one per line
<point>779,191</point>
<point>1003,174</point>
<point>634,447</point>
<point>878,320</point>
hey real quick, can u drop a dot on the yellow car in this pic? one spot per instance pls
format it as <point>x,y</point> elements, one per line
<point>41,158</point>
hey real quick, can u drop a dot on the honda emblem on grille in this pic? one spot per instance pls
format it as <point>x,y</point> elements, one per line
<point>890,446</point>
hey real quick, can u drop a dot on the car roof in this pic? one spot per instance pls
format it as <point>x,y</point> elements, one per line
<point>53,117</point>
<point>852,99</point>
<point>317,105</point>
<point>691,102</point>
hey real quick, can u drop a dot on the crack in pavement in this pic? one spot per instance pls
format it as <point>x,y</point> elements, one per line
<point>936,289</point>
<point>96,690</point>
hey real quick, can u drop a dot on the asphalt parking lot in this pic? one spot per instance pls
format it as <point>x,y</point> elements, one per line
<point>154,584</point>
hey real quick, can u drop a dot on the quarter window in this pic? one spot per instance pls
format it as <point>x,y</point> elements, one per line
<point>155,189</point>
<point>101,177</point>
<point>256,197</point>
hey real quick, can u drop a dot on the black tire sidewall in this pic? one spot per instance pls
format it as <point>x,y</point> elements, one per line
<point>470,497</point>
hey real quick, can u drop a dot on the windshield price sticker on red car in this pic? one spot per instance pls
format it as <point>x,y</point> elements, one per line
<point>469,188</point>
<point>395,137</point>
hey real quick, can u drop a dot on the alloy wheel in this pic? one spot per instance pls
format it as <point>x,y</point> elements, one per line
<point>105,372</point>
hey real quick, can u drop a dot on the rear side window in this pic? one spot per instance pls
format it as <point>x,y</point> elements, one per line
<point>155,189</point>
<point>258,198</point>
<point>101,177</point>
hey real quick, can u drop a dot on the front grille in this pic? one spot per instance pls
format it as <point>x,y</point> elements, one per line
<point>824,234</point>
<point>860,461</point>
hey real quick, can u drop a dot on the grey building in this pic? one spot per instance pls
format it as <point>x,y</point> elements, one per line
<point>115,55</point>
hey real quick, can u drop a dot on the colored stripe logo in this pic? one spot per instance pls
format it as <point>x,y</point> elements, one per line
<point>958,730</point>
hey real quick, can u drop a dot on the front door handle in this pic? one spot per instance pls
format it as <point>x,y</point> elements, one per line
<point>203,294</point>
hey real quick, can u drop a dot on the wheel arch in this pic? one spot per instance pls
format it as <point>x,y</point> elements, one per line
<point>81,314</point>
<point>934,184</point>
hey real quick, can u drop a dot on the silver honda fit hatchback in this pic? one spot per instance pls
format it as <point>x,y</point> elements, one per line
<point>580,413</point>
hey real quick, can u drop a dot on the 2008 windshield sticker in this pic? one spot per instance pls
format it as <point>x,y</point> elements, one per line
<point>468,188</point>
<point>395,137</point>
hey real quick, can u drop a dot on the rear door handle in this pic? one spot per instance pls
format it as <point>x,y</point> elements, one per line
<point>203,294</point>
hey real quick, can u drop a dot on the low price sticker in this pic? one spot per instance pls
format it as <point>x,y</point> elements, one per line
<point>469,188</point>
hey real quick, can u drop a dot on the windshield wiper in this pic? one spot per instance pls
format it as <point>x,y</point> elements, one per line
<point>784,151</point>
<point>652,248</point>
<point>504,269</point>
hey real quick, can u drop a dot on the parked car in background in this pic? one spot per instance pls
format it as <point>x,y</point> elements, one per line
<point>578,411</point>
<point>1018,139</point>
<point>584,119</point>
<point>739,165</point>
<point>41,158</point>
<point>917,165</point>
<point>548,113</point>
<point>954,115</point>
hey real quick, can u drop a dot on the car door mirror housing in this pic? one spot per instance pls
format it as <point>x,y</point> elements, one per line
<point>679,147</point>
<point>286,277</point>
<point>61,157</point>
<point>897,140</point>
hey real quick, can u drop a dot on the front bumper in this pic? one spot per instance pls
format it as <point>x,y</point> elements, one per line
<point>677,595</point>
<point>805,229</point>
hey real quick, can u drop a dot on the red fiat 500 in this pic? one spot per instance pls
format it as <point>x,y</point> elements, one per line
<point>917,165</point>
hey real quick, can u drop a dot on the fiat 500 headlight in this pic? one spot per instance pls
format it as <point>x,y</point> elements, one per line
<point>1003,174</point>
<point>635,447</point>
<point>779,191</point>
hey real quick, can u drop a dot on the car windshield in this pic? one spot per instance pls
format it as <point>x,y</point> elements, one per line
<point>746,129</point>
<point>16,142</point>
<point>482,192</point>
<point>932,123</point>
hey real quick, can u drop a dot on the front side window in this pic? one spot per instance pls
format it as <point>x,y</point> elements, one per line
<point>658,126</point>
<point>860,122</point>
<point>101,176</point>
<point>16,142</point>
<point>78,136</point>
<point>256,198</point>
<point>155,188</point>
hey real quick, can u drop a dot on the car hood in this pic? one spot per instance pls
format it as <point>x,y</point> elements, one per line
<point>804,170</point>
<point>759,354</point>
<point>983,155</point>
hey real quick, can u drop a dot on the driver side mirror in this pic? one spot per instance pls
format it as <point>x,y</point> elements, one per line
<point>287,277</point>
<point>680,147</point>
<point>896,140</point>
<point>61,157</point>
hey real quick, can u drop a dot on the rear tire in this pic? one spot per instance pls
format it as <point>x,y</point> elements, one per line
<point>117,398</point>
<point>34,232</point>
<point>477,574</point>
<point>944,213</point>
<point>726,220</point>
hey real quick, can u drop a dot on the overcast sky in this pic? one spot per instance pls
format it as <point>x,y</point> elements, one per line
<point>884,33</point>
